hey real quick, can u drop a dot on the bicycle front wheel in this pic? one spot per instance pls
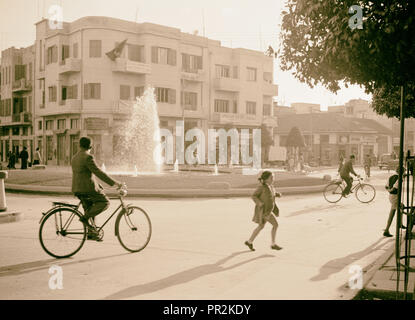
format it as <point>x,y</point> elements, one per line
<point>333,192</point>
<point>365,193</point>
<point>61,234</point>
<point>133,229</point>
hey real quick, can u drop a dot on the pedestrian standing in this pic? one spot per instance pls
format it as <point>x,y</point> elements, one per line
<point>37,157</point>
<point>367,163</point>
<point>265,207</point>
<point>392,187</point>
<point>24,155</point>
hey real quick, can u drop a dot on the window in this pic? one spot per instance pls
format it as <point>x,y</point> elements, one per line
<point>138,92</point>
<point>72,92</point>
<point>166,95</point>
<point>267,110</point>
<point>52,94</point>
<point>16,131</point>
<point>250,107</point>
<point>189,100</point>
<point>92,91</point>
<point>25,131</point>
<point>52,55</point>
<point>39,125</point>
<point>136,53</point>
<point>64,91</point>
<point>75,50</point>
<point>221,106</point>
<point>49,124</point>
<point>94,48</point>
<point>163,56</point>
<point>74,123</point>
<point>30,104</point>
<point>191,63</point>
<point>65,52</point>
<point>251,74</point>
<point>124,92</point>
<point>19,72</point>
<point>61,124</point>
<point>223,71</point>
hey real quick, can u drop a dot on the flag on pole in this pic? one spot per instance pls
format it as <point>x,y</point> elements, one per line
<point>116,52</point>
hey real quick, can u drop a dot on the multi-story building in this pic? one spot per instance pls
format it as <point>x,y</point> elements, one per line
<point>80,90</point>
<point>16,102</point>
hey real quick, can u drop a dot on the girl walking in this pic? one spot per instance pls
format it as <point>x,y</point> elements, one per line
<point>264,198</point>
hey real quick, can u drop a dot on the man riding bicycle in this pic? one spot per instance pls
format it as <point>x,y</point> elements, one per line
<point>345,171</point>
<point>85,187</point>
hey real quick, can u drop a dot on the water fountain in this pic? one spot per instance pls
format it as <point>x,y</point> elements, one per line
<point>139,143</point>
<point>215,170</point>
<point>176,166</point>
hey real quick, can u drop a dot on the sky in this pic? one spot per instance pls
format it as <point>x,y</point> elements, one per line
<point>236,23</point>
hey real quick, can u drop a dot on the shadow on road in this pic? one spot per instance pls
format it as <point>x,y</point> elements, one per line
<point>182,277</point>
<point>336,265</point>
<point>33,266</point>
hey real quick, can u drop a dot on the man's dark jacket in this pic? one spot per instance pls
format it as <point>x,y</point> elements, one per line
<point>83,168</point>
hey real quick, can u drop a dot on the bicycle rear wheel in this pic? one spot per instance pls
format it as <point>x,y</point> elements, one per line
<point>365,193</point>
<point>61,234</point>
<point>333,192</point>
<point>133,229</point>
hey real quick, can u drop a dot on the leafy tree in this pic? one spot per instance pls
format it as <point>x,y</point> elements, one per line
<point>386,100</point>
<point>295,141</point>
<point>320,46</point>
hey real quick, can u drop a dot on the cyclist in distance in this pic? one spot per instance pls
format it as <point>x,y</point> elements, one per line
<point>345,172</point>
<point>84,186</point>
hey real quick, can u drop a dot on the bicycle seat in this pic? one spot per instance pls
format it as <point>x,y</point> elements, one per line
<point>64,204</point>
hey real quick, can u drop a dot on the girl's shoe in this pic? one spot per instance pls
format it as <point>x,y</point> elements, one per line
<point>250,245</point>
<point>275,247</point>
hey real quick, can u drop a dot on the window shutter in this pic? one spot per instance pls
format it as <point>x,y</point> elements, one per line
<point>75,50</point>
<point>86,91</point>
<point>75,91</point>
<point>235,72</point>
<point>141,54</point>
<point>172,96</point>
<point>200,62</point>
<point>181,98</point>
<point>98,91</point>
<point>54,54</point>
<point>154,54</point>
<point>171,57</point>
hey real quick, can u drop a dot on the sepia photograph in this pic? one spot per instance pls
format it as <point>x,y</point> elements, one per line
<point>207,156</point>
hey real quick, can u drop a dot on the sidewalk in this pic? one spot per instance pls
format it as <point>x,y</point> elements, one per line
<point>382,281</point>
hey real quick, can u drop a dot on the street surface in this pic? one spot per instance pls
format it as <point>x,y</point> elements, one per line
<point>197,251</point>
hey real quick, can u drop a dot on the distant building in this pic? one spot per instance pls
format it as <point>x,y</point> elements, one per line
<point>300,107</point>
<point>330,135</point>
<point>16,100</point>
<point>282,109</point>
<point>360,108</point>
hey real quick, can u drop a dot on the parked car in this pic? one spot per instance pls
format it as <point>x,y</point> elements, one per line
<point>387,161</point>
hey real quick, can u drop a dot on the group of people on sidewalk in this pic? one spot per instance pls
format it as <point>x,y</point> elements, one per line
<point>13,158</point>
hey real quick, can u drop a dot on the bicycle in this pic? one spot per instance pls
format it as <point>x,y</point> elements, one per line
<point>62,234</point>
<point>364,192</point>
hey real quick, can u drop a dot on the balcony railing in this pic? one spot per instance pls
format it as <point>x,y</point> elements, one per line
<point>22,85</point>
<point>270,89</point>
<point>122,107</point>
<point>193,74</point>
<point>22,118</point>
<point>227,84</point>
<point>70,65</point>
<point>128,66</point>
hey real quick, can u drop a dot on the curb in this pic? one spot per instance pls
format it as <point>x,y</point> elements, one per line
<point>371,271</point>
<point>9,217</point>
<point>164,193</point>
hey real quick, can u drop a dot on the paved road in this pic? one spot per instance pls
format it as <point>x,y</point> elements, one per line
<point>197,252</point>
